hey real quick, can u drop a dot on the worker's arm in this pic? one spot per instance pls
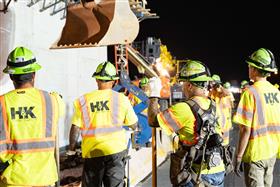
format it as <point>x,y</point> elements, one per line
<point>244,136</point>
<point>73,137</point>
<point>153,110</point>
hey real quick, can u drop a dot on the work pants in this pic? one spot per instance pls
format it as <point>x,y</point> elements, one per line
<point>259,173</point>
<point>107,170</point>
<point>209,180</point>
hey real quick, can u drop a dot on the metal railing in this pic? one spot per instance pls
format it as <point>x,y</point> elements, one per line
<point>56,6</point>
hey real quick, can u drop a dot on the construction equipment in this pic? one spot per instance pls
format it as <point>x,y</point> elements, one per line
<point>90,24</point>
<point>143,133</point>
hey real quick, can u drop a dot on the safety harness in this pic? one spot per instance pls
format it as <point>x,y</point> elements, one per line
<point>208,148</point>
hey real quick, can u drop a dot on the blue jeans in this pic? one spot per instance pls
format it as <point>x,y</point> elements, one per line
<point>216,179</point>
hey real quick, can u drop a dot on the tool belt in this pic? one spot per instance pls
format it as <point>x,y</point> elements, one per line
<point>178,173</point>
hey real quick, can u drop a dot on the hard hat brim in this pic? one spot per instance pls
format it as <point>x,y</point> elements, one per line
<point>265,69</point>
<point>22,70</point>
<point>201,79</point>
<point>105,78</point>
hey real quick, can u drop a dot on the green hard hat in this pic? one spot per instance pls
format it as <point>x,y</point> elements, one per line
<point>21,61</point>
<point>195,71</point>
<point>105,71</point>
<point>262,59</point>
<point>244,83</point>
<point>216,78</point>
<point>144,81</point>
<point>226,85</point>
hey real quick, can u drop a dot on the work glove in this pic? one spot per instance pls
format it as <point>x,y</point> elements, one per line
<point>155,86</point>
<point>238,168</point>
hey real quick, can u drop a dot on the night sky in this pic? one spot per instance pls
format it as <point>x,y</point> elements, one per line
<point>219,34</point>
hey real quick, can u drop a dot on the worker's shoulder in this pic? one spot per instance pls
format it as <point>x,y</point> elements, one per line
<point>181,105</point>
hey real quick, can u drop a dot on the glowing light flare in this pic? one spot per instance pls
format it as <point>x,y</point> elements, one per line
<point>161,70</point>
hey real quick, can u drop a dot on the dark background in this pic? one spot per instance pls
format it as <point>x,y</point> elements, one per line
<point>219,33</point>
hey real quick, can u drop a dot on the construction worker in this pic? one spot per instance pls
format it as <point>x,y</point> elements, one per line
<point>223,101</point>
<point>28,126</point>
<point>188,120</point>
<point>259,122</point>
<point>224,107</point>
<point>227,86</point>
<point>243,85</point>
<point>99,116</point>
<point>144,85</point>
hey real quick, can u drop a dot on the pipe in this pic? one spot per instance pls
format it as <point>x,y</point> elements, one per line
<point>138,60</point>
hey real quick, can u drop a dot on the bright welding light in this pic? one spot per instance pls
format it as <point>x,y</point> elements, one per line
<point>161,70</point>
<point>234,89</point>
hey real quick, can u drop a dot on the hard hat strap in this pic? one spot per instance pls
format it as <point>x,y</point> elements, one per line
<point>21,64</point>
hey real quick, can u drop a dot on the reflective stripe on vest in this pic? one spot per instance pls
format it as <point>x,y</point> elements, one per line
<point>83,104</point>
<point>92,132</point>
<point>270,129</point>
<point>245,114</point>
<point>115,107</point>
<point>221,106</point>
<point>259,106</point>
<point>170,121</point>
<point>20,145</point>
<point>88,130</point>
<point>3,124</point>
<point>30,145</point>
<point>49,113</point>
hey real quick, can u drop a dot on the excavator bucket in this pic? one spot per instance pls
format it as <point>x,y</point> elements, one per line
<point>92,24</point>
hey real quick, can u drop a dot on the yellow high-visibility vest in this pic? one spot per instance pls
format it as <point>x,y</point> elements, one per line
<point>224,116</point>
<point>28,123</point>
<point>100,115</point>
<point>259,109</point>
<point>179,118</point>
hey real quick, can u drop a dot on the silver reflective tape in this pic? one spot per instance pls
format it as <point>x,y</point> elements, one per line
<point>49,113</point>
<point>93,132</point>
<point>170,121</point>
<point>2,125</point>
<point>115,108</point>
<point>222,114</point>
<point>264,131</point>
<point>30,145</point>
<point>258,105</point>
<point>85,111</point>
<point>248,115</point>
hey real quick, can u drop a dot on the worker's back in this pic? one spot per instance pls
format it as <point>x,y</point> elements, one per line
<point>259,109</point>
<point>100,115</point>
<point>30,118</point>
